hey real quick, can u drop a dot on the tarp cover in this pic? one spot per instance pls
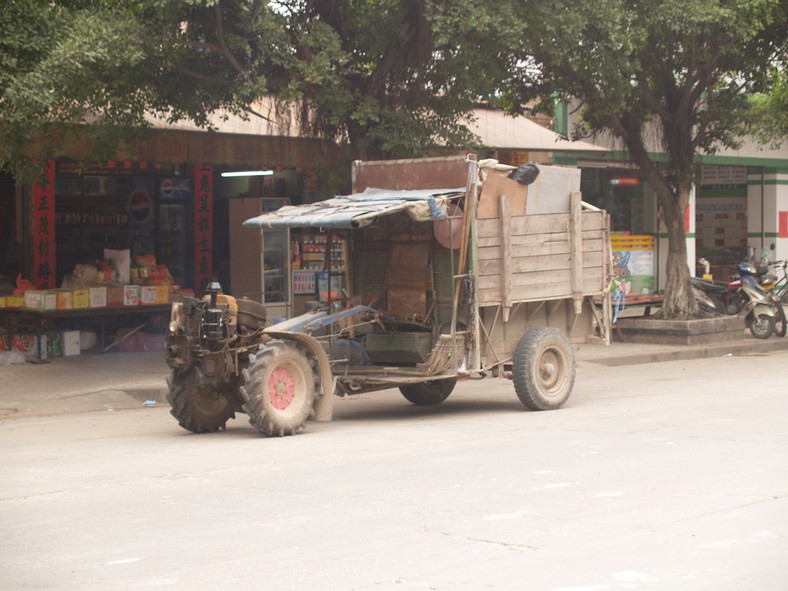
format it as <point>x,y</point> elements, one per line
<point>359,210</point>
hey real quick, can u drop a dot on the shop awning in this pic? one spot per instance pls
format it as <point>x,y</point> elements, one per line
<point>359,210</point>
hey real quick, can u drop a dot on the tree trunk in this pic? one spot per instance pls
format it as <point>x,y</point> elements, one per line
<point>679,302</point>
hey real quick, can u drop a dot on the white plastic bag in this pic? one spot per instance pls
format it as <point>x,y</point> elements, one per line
<point>122,260</point>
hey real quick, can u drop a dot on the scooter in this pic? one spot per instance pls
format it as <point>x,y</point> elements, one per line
<point>751,281</point>
<point>741,295</point>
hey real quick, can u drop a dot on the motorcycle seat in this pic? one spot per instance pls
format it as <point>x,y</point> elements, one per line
<point>710,286</point>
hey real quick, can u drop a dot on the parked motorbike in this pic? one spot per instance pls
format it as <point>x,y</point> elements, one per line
<point>752,285</point>
<point>741,295</point>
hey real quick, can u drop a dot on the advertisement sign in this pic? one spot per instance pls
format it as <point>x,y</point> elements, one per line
<point>141,217</point>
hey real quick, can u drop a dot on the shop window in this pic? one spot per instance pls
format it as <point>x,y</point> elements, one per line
<point>621,192</point>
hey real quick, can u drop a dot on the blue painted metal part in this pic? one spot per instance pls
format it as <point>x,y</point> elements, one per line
<point>313,322</point>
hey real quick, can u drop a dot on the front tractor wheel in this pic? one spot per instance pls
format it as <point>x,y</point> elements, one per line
<point>427,393</point>
<point>543,369</point>
<point>281,384</point>
<point>198,406</point>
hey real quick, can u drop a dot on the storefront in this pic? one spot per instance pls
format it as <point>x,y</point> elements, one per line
<point>142,229</point>
<point>169,202</point>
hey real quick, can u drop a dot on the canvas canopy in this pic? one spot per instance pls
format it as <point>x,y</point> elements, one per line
<point>360,209</point>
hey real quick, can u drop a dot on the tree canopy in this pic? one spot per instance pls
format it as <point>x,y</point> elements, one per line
<point>383,77</point>
<point>111,63</point>
<point>671,79</point>
<point>395,78</point>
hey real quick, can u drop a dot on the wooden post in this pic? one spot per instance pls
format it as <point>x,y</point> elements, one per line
<point>506,254</point>
<point>576,233</point>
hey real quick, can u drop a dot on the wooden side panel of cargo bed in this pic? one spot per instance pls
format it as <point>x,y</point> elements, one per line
<point>543,262</point>
<point>422,173</point>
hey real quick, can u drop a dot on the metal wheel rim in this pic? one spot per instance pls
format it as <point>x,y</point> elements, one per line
<point>286,388</point>
<point>762,324</point>
<point>550,371</point>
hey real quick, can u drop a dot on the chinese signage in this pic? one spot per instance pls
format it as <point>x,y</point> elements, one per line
<point>44,231</point>
<point>203,225</point>
<point>721,222</point>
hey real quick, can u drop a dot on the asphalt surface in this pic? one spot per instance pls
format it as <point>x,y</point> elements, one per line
<point>119,381</point>
<point>654,476</point>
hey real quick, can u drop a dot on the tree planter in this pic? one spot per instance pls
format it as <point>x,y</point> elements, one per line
<point>702,331</point>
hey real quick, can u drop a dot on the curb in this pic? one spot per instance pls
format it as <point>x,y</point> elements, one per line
<point>684,352</point>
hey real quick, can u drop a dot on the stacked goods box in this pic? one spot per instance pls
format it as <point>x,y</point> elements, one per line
<point>70,342</point>
<point>65,299</point>
<point>81,298</point>
<point>162,294</point>
<point>114,294</point>
<point>40,300</point>
<point>98,296</point>
<point>49,346</point>
<point>25,343</point>
<point>131,295</point>
<point>147,294</point>
<point>14,301</point>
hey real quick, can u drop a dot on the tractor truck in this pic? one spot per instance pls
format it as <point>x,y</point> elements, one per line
<point>457,269</point>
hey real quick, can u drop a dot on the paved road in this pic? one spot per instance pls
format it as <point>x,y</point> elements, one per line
<point>667,476</point>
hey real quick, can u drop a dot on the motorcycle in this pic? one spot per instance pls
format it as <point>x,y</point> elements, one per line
<point>763,315</point>
<point>751,285</point>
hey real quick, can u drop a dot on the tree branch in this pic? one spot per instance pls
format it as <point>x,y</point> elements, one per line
<point>223,44</point>
<point>205,78</point>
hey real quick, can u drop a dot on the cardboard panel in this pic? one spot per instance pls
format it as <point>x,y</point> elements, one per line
<point>495,185</point>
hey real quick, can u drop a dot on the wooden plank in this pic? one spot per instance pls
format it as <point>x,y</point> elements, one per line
<point>506,253</point>
<point>445,172</point>
<point>596,246</point>
<point>577,250</point>
<point>551,286</point>
<point>540,224</point>
<point>520,265</point>
<point>559,279</point>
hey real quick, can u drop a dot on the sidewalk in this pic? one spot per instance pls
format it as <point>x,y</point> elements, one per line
<point>121,381</point>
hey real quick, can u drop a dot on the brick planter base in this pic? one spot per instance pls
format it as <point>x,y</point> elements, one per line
<point>679,332</point>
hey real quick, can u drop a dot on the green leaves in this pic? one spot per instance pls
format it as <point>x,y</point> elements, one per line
<point>388,78</point>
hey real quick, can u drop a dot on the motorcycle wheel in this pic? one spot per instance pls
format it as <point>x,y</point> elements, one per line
<point>762,326</point>
<point>780,324</point>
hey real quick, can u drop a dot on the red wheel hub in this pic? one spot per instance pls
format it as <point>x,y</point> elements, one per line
<point>281,388</point>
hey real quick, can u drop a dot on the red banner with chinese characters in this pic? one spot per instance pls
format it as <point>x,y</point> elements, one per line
<point>44,231</point>
<point>203,226</point>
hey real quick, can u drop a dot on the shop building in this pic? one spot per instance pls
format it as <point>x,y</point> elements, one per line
<point>167,199</point>
<point>738,209</point>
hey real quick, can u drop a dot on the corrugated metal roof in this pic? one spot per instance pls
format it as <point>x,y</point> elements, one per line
<point>359,210</point>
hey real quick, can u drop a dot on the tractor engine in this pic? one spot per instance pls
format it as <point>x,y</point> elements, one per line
<point>207,333</point>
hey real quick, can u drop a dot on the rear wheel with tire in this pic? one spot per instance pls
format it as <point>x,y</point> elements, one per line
<point>761,326</point>
<point>281,384</point>
<point>543,369</point>
<point>199,407</point>
<point>427,393</point>
<point>780,325</point>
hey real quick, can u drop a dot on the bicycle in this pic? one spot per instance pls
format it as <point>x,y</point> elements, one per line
<point>780,288</point>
